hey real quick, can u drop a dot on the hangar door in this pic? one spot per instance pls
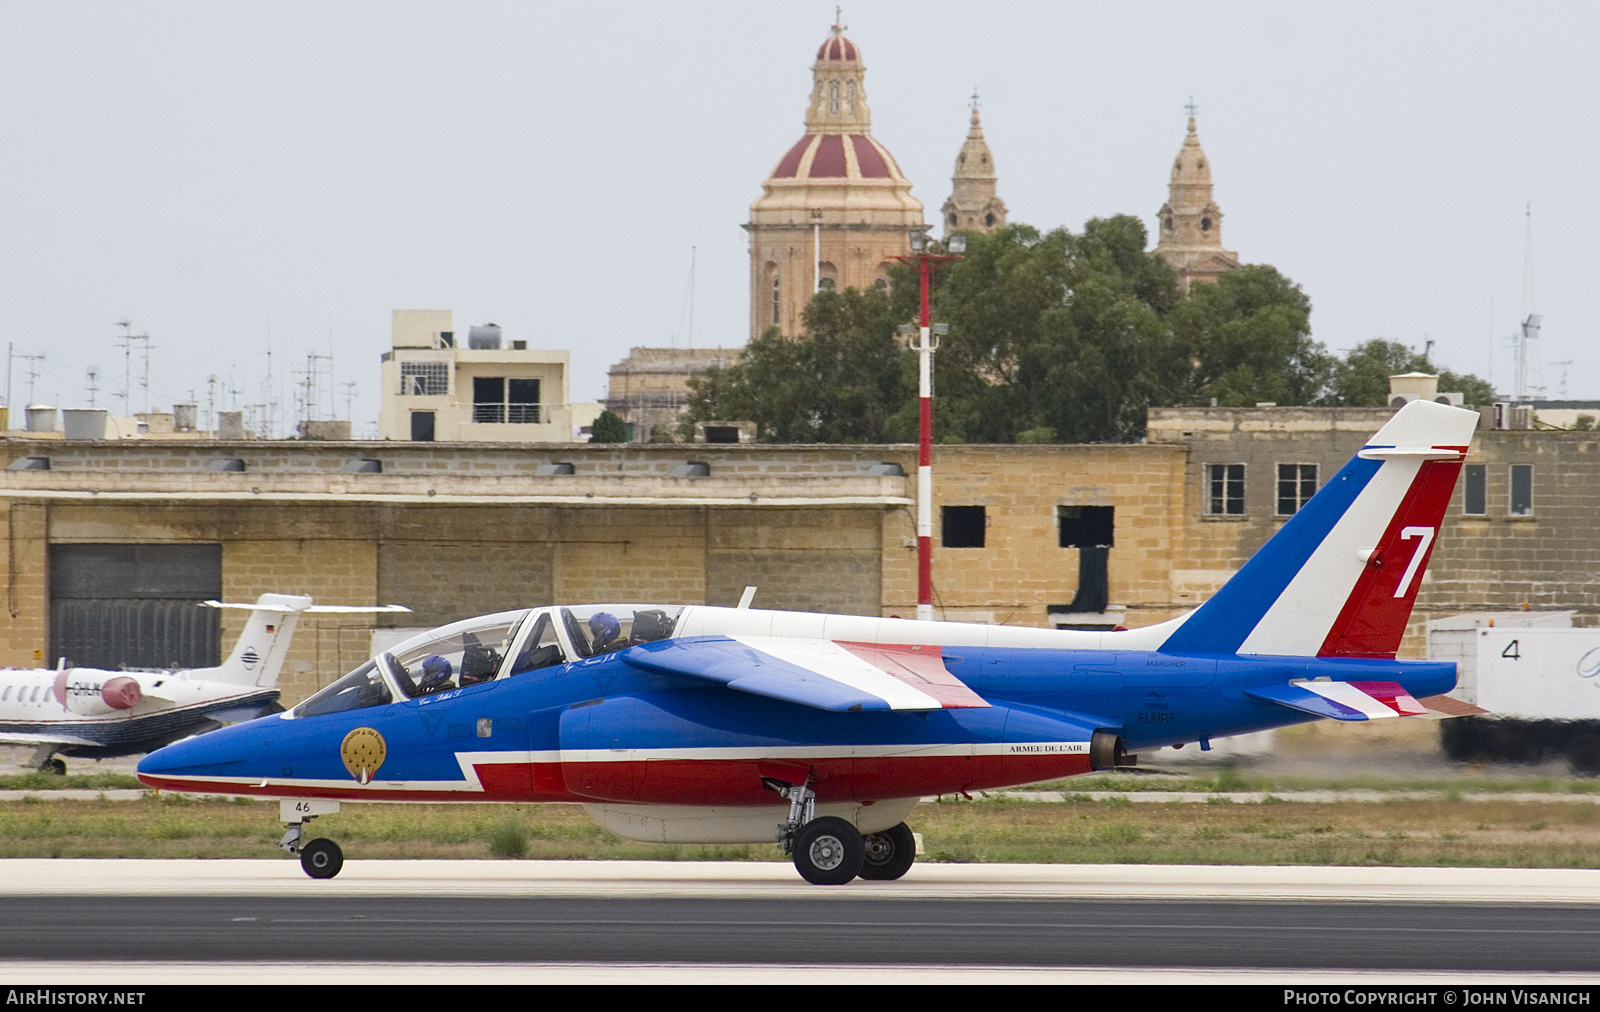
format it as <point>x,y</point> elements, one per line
<point>135,606</point>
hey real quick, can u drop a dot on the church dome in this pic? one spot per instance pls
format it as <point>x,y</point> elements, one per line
<point>837,48</point>
<point>853,157</point>
<point>836,210</point>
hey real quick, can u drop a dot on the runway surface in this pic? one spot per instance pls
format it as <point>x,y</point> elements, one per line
<point>86,921</point>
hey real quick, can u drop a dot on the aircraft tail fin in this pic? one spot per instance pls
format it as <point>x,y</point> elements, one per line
<point>1339,579</point>
<point>258,656</point>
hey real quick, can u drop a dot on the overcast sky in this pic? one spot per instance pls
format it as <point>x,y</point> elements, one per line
<point>231,176</point>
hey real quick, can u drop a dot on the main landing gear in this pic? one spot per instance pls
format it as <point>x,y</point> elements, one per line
<point>45,760</point>
<point>320,858</point>
<point>830,851</point>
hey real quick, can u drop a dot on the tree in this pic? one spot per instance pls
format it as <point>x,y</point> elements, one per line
<point>1247,336</point>
<point>1361,378</point>
<point>1052,337</point>
<point>608,428</point>
<point>842,382</point>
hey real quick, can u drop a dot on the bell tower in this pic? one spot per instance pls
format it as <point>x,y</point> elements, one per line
<point>974,205</point>
<point>1189,224</point>
<point>836,208</point>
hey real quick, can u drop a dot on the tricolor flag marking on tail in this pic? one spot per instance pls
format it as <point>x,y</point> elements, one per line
<point>1341,576</point>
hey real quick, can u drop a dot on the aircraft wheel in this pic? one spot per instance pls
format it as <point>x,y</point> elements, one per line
<point>321,858</point>
<point>56,766</point>
<point>889,854</point>
<point>828,851</point>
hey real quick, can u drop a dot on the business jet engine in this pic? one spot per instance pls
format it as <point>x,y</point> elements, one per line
<point>91,694</point>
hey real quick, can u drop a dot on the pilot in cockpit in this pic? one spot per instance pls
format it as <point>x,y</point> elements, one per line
<point>604,630</point>
<point>436,673</point>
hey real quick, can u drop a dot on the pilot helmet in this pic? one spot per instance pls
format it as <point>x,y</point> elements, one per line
<point>604,627</point>
<point>435,669</point>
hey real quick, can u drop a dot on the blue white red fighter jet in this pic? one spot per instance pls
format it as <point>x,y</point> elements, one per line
<point>715,725</point>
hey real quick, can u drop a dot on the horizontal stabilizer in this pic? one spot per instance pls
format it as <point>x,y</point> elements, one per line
<point>315,609</point>
<point>824,674</point>
<point>1344,700</point>
<point>1442,707</point>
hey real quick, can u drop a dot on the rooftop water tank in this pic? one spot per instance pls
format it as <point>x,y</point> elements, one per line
<point>41,418</point>
<point>484,337</point>
<point>84,423</point>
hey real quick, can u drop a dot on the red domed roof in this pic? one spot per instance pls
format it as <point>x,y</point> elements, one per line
<point>837,47</point>
<point>829,161</point>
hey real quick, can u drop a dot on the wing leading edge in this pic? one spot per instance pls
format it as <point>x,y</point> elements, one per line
<point>825,674</point>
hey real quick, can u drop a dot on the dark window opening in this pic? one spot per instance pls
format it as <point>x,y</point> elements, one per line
<point>1225,489</point>
<point>522,401</point>
<point>422,426</point>
<point>1086,526</point>
<point>1297,483</point>
<point>1474,494</point>
<point>488,399</point>
<point>722,433</point>
<point>964,526</point>
<point>1521,490</point>
<point>497,399</point>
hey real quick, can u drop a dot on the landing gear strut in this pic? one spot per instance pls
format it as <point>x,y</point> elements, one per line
<point>45,760</point>
<point>826,851</point>
<point>321,858</point>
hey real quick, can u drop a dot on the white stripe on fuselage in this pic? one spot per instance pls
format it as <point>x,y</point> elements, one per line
<point>831,661</point>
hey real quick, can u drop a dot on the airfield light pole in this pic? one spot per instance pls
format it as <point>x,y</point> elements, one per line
<point>926,263</point>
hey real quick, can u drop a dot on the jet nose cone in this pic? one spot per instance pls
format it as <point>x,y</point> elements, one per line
<point>216,753</point>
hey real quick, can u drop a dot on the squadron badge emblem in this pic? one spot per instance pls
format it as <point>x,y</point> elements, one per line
<point>363,751</point>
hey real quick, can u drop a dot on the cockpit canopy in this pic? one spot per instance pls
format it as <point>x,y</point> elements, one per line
<point>491,647</point>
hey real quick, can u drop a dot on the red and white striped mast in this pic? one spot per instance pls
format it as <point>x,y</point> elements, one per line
<point>926,263</point>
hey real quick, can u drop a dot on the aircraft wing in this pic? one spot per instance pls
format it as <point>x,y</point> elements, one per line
<point>14,738</point>
<point>1344,700</point>
<point>826,674</point>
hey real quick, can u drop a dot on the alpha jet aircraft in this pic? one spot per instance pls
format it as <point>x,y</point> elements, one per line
<point>90,712</point>
<point>720,725</point>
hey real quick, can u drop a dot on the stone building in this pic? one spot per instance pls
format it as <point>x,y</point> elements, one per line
<point>1189,224</point>
<point>974,205</point>
<point>1024,535</point>
<point>836,208</point>
<point>650,388</point>
<point>483,388</point>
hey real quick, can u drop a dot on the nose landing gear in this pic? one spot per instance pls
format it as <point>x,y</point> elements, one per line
<point>321,858</point>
